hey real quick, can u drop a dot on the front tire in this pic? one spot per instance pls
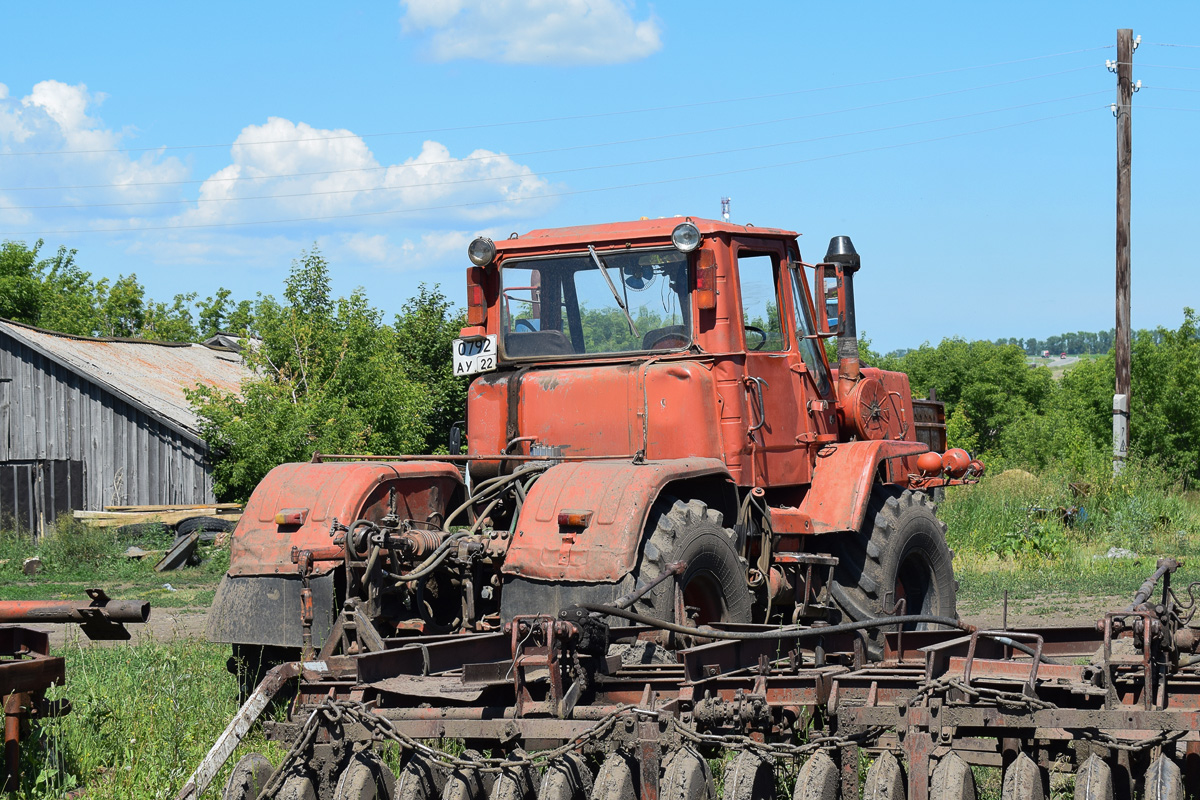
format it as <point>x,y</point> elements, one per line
<point>714,583</point>
<point>901,553</point>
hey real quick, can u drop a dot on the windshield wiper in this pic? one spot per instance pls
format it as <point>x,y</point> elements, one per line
<point>613,288</point>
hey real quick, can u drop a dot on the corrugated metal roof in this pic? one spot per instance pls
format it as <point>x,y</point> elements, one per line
<point>151,374</point>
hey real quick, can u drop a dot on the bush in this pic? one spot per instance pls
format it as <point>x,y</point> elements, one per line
<point>73,544</point>
<point>1017,515</point>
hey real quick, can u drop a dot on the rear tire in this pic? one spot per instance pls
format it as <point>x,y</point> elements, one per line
<point>714,583</point>
<point>901,553</point>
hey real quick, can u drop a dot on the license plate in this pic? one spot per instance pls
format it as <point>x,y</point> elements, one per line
<point>474,355</point>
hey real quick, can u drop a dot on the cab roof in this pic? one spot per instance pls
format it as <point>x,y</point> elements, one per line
<point>634,230</point>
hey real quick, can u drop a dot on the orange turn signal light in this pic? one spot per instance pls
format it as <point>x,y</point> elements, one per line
<point>574,519</point>
<point>291,516</point>
<point>705,296</point>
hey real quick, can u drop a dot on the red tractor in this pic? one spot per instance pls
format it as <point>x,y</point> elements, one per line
<point>652,424</point>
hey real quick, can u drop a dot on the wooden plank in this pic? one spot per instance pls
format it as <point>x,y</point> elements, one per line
<point>176,507</point>
<point>101,519</point>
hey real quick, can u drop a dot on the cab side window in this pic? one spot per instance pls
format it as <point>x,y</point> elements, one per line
<point>760,302</point>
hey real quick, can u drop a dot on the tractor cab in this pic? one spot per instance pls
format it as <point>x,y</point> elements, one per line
<point>665,339</point>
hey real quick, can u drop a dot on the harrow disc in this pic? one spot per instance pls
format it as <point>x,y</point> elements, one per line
<point>465,783</point>
<point>1164,780</point>
<point>248,778</point>
<point>749,777</point>
<point>1094,780</point>
<point>1022,781</point>
<point>686,777</point>
<point>419,780</point>
<point>617,778</point>
<point>366,777</point>
<point>297,787</point>
<point>952,780</point>
<point>514,783</point>
<point>818,779</point>
<point>885,779</point>
<point>566,778</point>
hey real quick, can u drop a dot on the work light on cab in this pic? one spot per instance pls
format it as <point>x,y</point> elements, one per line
<point>482,251</point>
<point>685,237</point>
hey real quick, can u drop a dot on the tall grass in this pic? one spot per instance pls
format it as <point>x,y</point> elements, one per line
<point>142,718</point>
<point>1054,532</point>
<point>75,556</point>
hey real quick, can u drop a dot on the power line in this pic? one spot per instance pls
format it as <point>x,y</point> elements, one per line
<point>1167,44</point>
<point>546,151</point>
<point>544,173</point>
<point>575,117</point>
<point>551,195</point>
<point>1159,66</point>
<point>1168,88</point>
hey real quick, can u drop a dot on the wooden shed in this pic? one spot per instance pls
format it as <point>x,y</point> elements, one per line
<point>87,423</point>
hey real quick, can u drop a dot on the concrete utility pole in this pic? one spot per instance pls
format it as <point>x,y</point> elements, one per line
<point>1123,110</point>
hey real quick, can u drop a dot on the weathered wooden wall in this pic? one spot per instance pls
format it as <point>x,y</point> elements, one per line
<point>50,413</point>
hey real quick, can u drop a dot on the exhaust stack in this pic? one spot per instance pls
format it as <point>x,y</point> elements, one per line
<point>841,252</point>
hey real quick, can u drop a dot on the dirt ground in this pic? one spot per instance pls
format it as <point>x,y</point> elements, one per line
<point>165,624</point>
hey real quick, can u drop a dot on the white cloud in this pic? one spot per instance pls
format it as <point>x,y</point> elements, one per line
<point>532,31</point>
<point>55,117</point>
<point>332,173</point>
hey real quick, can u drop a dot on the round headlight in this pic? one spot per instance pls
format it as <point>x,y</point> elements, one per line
<point>685,237</point>
<point>481,251</point>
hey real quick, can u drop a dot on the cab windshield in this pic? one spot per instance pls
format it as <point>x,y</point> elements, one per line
<point>595,302</point>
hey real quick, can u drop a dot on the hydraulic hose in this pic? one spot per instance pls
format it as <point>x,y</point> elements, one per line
<point>787,632</point>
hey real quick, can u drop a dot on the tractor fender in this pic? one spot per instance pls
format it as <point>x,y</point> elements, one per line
<point>346,491</point>
<point>842,479</point>
<point>614,498</point>
<point>258,601</point>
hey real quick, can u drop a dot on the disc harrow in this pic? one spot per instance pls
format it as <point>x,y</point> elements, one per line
<point>575,706</point>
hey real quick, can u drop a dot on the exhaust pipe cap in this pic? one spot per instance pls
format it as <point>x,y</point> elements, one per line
<point>841,251</point>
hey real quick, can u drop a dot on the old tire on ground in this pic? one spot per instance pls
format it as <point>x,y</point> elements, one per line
<point>714,583</point>
<point>192,524</point>
<point>248,778</point>
<point>900,553</point>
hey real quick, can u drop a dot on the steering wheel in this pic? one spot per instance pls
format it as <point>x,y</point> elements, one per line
<point>762,336</point>
<point>525,325</point>
<point>669,341</point>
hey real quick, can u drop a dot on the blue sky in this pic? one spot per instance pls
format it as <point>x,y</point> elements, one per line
<point>967,148</point>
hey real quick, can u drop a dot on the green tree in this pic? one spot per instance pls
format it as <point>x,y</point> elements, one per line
<point>992,384</point>
<point>425,329</point>
<point>171,323</point>
<point>327,378</point>
<point>220,314</point>
<point>20,282</point>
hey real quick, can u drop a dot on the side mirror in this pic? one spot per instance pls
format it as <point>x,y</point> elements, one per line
<point>454,446</point>
<point>830,299</point>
